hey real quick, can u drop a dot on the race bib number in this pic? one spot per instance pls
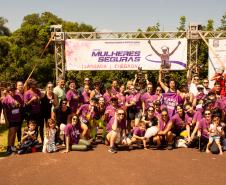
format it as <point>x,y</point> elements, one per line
<point>15,111</point>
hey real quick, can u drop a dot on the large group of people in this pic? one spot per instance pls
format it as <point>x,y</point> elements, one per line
<point>135,114</point>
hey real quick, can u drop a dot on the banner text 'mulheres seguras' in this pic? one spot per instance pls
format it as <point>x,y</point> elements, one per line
<point>117,56</point>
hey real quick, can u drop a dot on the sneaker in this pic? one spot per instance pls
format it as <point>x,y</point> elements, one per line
<point>8,151</point>
<point>13,148</point>
<point>170,147</point>
<point>112,150</point>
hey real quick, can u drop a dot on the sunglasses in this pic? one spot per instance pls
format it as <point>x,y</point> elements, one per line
<point>207,114</point>
<point>150,110</point>
<point>120,114</point>
<point>50,87</point>
<point>164,115</point>
<point>205,82</point>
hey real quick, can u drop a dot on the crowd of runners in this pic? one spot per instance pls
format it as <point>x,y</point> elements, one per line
<point>135,114</point>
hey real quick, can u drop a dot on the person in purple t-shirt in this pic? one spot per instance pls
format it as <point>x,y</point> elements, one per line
<point>138,134</point>
<point>116,128</point>
<point>148,98</point>
<point>72,96</point>
<point>134,105</point>
<point>178,121</point>
<point>32,100</point>
<point>114,88</point>
<point>192,119</point>
<point>13,116</point>
<point>85,97</point>
<point>203,129</point>
<point>72,132</point>
<point>121,96</point>
<point>165,135</point>
<point>88,114</point>
<point>111,109</point>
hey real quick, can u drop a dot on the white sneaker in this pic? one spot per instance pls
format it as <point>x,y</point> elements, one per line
<point>13,148</point>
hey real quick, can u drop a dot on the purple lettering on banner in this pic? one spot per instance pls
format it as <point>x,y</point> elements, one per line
<point>116,56</point>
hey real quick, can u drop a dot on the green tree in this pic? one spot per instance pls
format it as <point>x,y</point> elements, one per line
<point>4,31</point>
<point>182,23</point>
<point>223,22</point>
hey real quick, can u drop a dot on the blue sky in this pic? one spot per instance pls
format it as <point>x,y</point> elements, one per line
<point>117,15</point>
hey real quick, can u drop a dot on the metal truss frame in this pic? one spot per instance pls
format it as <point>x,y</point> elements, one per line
<point>193,40</point>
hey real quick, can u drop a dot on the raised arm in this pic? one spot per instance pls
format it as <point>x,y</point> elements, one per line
<point>179,42</point>
<point>165,88</point>
<point>157,53</point>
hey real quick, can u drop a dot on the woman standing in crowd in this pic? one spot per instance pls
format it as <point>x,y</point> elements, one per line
<point>96,93</point>
<point>121,96</point>
<point>61,115</point>
<point>20,96</point>
<point>72,97</point>
<point>84,99</point>
<point>13,116</point>
<point>32,99</point>
<point>48,102</point>
<point>148,98</point>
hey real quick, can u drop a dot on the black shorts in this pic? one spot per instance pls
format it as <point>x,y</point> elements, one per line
<point>14,124</point>
<point>177,131</point>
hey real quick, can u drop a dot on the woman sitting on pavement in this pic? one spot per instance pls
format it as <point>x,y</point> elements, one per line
<point>164,136</point>
<point>116,130</point>
<point>203,133</point>
<point>178,121</point>
<point>72,132</point>
<point>192,119</point>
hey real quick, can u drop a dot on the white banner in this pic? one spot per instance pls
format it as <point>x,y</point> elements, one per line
<point>219,47</point>
<point>125,54</point>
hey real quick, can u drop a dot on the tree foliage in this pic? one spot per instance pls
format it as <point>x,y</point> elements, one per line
<point>21,50</point>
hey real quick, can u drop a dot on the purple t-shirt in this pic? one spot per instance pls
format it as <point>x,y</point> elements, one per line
<point>203,127</point>
<point>121,125</point>
<point>162,124</point>
<point>110,112</point>
<point>148,99</point>
<point>12,108</point>
<point>194,118</point>
<point>73,98</point>
<point>107,98</point>
<point>138,132</point>
<point>73,132</point>
<point>178,122</point>
<point>114,91</point>
<point>221,103</point>
<point>135,98</point>
<point>20,98</point>
<point>84,111</point>
<point>35,105</point>
<point>85,97</point>
<point>170,101</point>
<point>121,100</point>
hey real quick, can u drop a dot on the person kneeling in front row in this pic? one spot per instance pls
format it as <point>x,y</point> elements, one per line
<point>72,132</point>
